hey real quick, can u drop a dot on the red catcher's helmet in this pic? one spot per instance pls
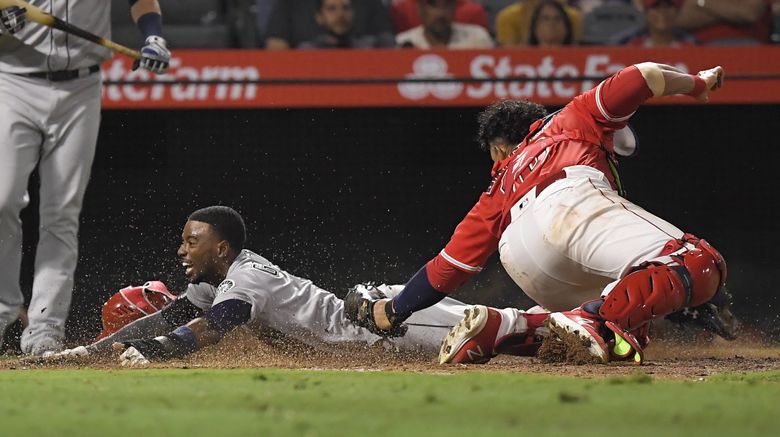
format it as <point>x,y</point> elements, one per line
<point>132,303</point>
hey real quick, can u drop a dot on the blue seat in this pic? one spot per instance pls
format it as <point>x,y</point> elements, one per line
<point>186,24</point>
<point>606,21</point>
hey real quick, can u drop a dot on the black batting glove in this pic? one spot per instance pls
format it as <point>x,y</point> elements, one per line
<point>158,348</point>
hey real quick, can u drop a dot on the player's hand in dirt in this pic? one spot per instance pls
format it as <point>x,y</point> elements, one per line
<point>131,357</point>
<point>713,78</point>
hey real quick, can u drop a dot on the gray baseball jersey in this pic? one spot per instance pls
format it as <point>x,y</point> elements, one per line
<point>39,48</point>
<point>52,125</point>
<point>296,307</point>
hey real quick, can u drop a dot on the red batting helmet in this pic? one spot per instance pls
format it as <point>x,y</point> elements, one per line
<point>132,303</point>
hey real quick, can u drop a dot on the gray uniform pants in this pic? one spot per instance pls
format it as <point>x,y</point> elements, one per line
<point>53,125</point>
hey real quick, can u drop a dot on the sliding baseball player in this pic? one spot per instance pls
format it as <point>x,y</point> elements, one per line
<point>232,286</point>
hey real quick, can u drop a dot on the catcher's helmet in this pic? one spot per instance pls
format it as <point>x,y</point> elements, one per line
<point>133,302</point>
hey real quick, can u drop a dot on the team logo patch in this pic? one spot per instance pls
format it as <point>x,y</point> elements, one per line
<point>225,286</point>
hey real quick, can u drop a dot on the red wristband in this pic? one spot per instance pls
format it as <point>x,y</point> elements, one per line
<point>699,85</point>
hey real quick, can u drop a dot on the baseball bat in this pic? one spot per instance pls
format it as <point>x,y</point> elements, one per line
<point>37,15</point>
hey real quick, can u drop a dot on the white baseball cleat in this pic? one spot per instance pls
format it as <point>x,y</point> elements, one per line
<point>473,339</point>
<point>579,331</point>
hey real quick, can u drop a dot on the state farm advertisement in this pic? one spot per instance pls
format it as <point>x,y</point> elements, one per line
<point>376,78</point>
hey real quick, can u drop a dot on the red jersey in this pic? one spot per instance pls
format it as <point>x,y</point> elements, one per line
<point>580,134</point>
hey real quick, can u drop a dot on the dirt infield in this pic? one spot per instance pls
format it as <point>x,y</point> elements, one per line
<point>665,358</point>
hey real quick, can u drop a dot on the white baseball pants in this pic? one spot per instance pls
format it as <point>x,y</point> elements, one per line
<point>578,236</point>
<point>52,125</point>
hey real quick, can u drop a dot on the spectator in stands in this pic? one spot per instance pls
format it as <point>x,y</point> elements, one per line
<point>438,29</point>
<point>513,25</point>
<point>262,11</point>
<point>550,25</point>
<point>727,22</point>
<point>335,18</point>
<point>659,29</point>
<point>405,14</point>
<point>293,22</point>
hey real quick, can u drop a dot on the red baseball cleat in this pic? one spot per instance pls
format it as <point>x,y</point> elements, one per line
<point>473,339</point>
<point>579,331</point>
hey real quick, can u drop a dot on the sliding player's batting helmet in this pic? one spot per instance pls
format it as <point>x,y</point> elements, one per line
<point>133,302</point>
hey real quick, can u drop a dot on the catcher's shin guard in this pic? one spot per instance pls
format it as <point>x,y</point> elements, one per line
<point>695,272</point>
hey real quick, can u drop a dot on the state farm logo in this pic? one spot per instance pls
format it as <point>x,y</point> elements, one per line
<point>430,67</point>
<point>119,70</point>
<point>546,78</point>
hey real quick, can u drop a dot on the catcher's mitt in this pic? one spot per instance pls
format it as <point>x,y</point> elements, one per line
<point>359,309</point>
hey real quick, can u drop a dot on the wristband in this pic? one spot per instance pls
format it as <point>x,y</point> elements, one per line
<point>150,24</point>
<point>184,341</point>
<point>417,295</point>
<point>699,85</point>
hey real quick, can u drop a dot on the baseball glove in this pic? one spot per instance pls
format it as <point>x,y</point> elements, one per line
<point>359,309</point>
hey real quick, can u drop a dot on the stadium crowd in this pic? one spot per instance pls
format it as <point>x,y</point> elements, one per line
<point>312,24</point>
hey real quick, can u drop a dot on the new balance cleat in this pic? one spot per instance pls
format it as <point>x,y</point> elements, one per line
<point>473,339</point>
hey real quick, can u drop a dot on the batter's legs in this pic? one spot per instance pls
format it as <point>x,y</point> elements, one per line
<point>20,143</point>
<point>64,168</point>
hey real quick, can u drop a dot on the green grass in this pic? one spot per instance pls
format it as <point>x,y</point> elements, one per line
<point>253,402</point>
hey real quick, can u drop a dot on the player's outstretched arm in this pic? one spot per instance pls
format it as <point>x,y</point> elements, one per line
<point>152,324</point>
<point>666,80</point>
<point>177,313</point>
<point>198,333</point>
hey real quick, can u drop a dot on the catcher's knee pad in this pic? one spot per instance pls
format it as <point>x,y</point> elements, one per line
<point>693,275</point>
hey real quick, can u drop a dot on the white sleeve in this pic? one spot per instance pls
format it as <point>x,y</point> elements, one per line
<point>147,326</point>
<point>201,295</point>
<point>248,286</point>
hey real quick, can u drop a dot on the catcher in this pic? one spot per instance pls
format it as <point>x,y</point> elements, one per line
<point>556,213</point>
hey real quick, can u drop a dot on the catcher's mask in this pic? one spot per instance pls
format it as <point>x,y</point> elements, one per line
<point>132,303</point>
